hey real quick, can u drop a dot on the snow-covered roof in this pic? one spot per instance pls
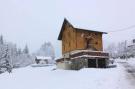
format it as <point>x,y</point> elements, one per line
<point>89,56</point>
<point>43,57</point>
<point>77,51</point>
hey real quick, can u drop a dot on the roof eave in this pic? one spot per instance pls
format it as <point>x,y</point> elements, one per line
<point>60,35</point>
<point>66,21</point>
<point>92,31</point>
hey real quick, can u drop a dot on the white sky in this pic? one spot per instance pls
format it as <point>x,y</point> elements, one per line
<point>33,22</point>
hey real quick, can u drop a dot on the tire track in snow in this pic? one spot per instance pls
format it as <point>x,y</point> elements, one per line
<point>130,71</point>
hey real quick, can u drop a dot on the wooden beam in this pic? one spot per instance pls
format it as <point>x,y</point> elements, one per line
<point>96,63</point>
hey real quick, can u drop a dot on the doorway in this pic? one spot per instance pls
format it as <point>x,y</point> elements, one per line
<point>91,63</point>
<point>102,63</point>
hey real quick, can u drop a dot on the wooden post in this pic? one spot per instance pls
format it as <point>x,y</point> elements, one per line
<point>106,63</point>
<point>96,63</point>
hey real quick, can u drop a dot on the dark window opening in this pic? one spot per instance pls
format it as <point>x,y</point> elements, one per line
<point>96,43</point>
<point>91,63</point>
<point>96,34</point>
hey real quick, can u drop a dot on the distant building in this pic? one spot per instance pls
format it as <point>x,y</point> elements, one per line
<point>43,60</point>
<point>131,48</point>
<point>81,48</point>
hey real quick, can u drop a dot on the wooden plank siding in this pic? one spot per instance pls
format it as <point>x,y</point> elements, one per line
<point>80,40</point>
<point>68,39</point>
<point>72,38</point>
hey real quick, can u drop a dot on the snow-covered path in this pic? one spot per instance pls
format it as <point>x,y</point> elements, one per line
<point>129,68</point>
<point>130,71</point>
<point>46,78</point>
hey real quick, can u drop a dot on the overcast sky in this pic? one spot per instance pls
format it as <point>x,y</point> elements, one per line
<point>33,22</point>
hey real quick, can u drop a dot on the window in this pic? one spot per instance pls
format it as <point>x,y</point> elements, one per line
<point>96,43</point>
<point>96,34</point>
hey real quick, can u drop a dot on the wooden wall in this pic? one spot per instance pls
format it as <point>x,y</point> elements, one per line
<point>68,39</point>
<point>72,39</point>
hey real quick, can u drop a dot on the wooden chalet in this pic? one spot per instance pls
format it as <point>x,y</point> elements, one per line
<point>81,48</point>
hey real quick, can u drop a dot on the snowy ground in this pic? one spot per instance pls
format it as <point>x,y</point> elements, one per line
<point>47,78</point>
<point>129,66</point>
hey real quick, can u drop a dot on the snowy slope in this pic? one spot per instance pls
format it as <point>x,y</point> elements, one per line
<point>46,78</point>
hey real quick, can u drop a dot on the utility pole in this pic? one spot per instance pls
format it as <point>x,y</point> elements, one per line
<point>125,49</point>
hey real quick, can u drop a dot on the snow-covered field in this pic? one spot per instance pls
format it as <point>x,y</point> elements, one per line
<point>47,78</point>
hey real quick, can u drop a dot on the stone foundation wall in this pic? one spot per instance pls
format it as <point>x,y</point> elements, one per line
<point>77,64</point>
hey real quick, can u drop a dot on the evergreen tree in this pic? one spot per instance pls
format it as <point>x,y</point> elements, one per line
<point>19,51</point>
<point>46,49</point>
<point>26,50</point>
<point>1,40</point>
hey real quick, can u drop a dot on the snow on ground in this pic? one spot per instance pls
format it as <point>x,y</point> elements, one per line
<point>129,66</point>
<point>131,61</point>
<point>47,78</point>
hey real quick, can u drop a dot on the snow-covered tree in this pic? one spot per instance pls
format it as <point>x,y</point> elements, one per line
<point>23,58</point>
<point>46,49</point>
<point>5,64</point>
<point>112,50</point>
<point>11,56</point>
<point>122,49</point>
<point>118,50</point>
<point>26,50</point>
<point>19,51</point>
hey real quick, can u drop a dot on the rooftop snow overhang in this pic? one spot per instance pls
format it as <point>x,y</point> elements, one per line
<point>66,21</point>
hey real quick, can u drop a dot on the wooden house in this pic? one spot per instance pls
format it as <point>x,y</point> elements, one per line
<point>81,45</point>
